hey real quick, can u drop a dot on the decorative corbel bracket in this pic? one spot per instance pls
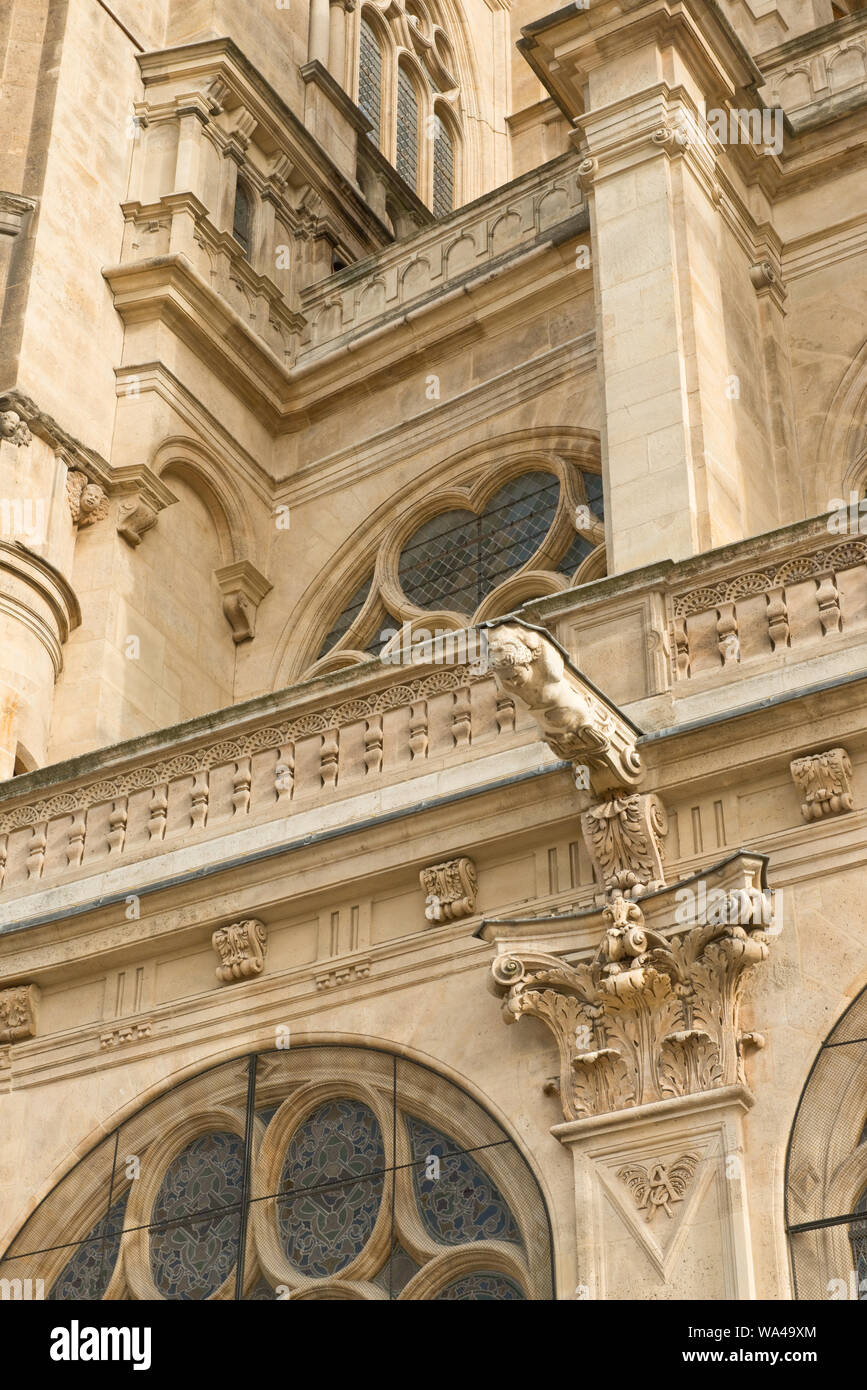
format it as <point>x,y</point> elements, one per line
<point>142,497</point>
<point>653,1012</point>
<point>18,1013</point>
<point>449,889</point>
<point>241,948</point>
<point>243,588</point>
<point>14,207</point>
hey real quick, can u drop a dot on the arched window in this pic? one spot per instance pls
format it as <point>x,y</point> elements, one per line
<point>370,79</point>
<point>408,89</point>
<point>242,218</point>
<point>443,169</point>
<point>407,128</point>
<point>826,1167</point>
<point>356,1174</point>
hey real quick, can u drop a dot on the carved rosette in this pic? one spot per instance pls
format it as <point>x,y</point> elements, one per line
<point>18,1013</point>
<point>649,1017</point>
<point>449,889</point>
<point>241,948</point>
<point>825,783</point>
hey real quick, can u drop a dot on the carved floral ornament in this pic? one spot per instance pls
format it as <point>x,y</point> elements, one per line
<point>450,890</point>
<point>18,1013</point>
<point>824,781</point>
<point>241,948</point>
<point>654,1014</point>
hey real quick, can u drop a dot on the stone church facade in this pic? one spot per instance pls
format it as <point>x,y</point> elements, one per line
<point>433,596</point>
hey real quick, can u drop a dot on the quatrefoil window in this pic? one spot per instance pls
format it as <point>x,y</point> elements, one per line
<point>319,1173</point>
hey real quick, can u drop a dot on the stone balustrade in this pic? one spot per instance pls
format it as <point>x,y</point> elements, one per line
<point>449,252</point>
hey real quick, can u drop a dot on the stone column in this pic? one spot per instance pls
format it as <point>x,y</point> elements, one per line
<point>318,34</point>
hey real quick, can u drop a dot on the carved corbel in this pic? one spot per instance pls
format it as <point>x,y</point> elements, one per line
<point>824,780</point>
<point>651,1015</point>
<point>18,1013</point>
<point>449,889</point>
<point>243,589</point>
<point>142,497</point>
<point>624,834</point>
<point>14,207</point>
<point>241,949</point>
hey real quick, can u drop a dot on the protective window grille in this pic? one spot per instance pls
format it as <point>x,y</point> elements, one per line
<point>407,129</point>
<point>456,559</point>
<point>443,170</point>
<point>826,1168</point>
<point>370,79</point>
<point>242,218</point>
<point>311,1173</point>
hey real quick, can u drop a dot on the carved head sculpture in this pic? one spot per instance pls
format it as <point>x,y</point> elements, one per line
<point>92,497</point>
<point>522,659</point>
<point>13,428</point>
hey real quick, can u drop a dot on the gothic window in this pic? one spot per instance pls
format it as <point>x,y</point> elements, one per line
<point>370,78</point>
<point>407,128</point>
<point>547,524</point>
<point>405,83</point>
<point>243,218</point>
<point>355,1174</point>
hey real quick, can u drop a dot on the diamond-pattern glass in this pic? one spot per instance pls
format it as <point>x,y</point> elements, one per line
<point>370,79</point>
<point>443,171</point>
<point>407,129</point>
<point>347,618</point>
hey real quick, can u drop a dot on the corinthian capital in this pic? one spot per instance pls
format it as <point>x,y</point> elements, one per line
<point>653,1013</point>
<point>574,719</point>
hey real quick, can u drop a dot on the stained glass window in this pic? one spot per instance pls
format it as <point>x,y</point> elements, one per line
<point>443,170</point>
<point>241,222</point>
<point>370,79</point>
<point>407,128</point>
<point>339,1196</point>
<point>347,618</point>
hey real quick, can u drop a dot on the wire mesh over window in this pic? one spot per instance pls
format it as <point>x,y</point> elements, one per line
<point>370,79</point>
<point>310,1173</point>
<point>242,219</point>
<point>407,129</point>
<point>443,170</point>
<point>826,1168</point>
<point>456,559</point>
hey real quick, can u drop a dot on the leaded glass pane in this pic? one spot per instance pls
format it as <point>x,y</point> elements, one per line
<point>86,1277</point>
<point>323,1229</point>
<point>576,554</point>
<point>370,79</point>
<point>456,559</point>
<point>346,619</point>
<point>407,128</point>
<point>458,1202</point>
<point>482,1287</point>
<point>593,489</point>
<point>397,1271</point>
<point>191,1258</point>
<point>443,171</point>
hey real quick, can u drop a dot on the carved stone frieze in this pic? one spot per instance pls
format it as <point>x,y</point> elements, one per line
<point>128,1032</point>
<point>574,719</point>
<point>652,1015</point>
<point>624,834</point>
<point>241,948</point>
<point>18,1013</point>
<point>343,975</point>
<point>824,780</point>
<point>449,889</point>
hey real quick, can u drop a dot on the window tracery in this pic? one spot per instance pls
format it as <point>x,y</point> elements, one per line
<point>447,566</point>
<point>407,86</point>
<point>355,1174</point>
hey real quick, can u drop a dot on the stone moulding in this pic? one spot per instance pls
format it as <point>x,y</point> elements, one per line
<point>241,948</point>
<point>654,1014</point>
<point>18,1013</point>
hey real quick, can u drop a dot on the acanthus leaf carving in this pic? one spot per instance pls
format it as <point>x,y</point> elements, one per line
<point>449,889</point>
<point>241,948</point>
